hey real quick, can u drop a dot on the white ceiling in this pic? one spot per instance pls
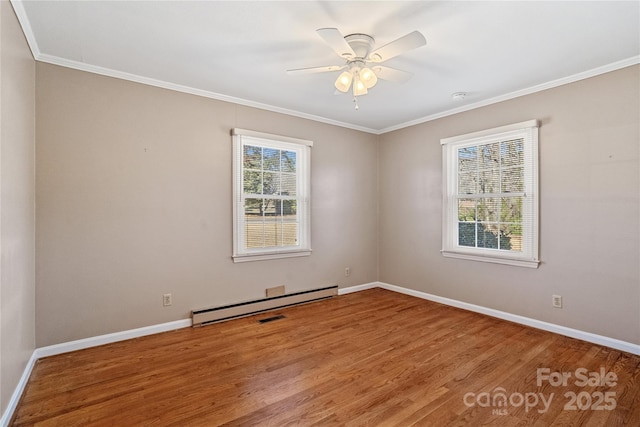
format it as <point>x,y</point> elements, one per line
<point>239,50</point>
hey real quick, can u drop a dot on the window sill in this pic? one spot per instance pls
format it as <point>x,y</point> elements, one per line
<point>492,259</point>
<point>270,255</point>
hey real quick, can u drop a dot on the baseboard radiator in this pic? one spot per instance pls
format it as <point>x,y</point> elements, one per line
<point>217,314</point>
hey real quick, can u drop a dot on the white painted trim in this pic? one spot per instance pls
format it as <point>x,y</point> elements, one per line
<point>21,14</point>
<point>495,260</point>
<point>358,288</point>
<point>17,393</point>
<point>221,97</point>
<point>242,138</point>
<point>184,323</point>
<point>538,324</point>
<point>270,136</point>
<point>534,323</point>
<point>66,347</point>
<point>528,257</point>
<point>618,65</point>
<point>492,133</point>
<point>56,349</point>
<point>268,256</point>
<point>49,59</point>
<point>38,56</point>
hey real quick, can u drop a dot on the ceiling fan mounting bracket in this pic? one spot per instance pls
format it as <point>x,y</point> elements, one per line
<point>361,45</point>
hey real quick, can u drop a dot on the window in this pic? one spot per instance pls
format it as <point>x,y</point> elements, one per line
<point>271,196</point>
<point>490,196</point>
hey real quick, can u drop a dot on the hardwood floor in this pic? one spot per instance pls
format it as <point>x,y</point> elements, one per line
<point>374,358</point>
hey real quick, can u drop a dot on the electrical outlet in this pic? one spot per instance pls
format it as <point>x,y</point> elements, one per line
<point>556,300</point>
<point>347,272</point>
<point>166,300</point>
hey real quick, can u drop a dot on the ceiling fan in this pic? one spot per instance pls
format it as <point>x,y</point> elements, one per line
<point>361,62</point>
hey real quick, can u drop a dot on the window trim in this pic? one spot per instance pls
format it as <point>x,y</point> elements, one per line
<point>303,149</point>
<point>450,247</point>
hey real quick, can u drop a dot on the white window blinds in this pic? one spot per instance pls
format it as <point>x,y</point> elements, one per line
<point>271,196</point>
<point>490,208</point>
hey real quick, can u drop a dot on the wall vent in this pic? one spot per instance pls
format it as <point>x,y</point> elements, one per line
<point>217,314</point>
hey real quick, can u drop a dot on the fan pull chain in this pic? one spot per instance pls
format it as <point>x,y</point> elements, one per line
<point>355,103</point>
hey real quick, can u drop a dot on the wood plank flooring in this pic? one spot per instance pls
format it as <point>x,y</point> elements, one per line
<point>375,358</point>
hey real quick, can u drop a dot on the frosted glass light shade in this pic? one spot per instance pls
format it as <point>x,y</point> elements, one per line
<point>359,88</point>
<point>368,77</point>
<point>343,82</point>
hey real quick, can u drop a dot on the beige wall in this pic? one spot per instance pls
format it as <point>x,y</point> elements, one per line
<point>134,201</point>
<point>589,209</point>
<point>17,217</point>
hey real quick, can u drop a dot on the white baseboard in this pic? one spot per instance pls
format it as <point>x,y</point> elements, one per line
<point>534,323</point>
<point>66,347</point>
<point>53,350</point>
<point>17,393</point>
<point>350,289</point>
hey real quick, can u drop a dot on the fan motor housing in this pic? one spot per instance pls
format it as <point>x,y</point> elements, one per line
<point>361,44</point>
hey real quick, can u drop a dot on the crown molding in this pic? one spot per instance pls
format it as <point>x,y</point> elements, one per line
<point>634,60</point>
<point>38,56</point>
<point>49,59</point>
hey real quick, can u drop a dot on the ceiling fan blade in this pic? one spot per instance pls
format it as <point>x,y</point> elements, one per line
<point>405,43</point>
<point>311,70</point>
<point>391,74</point>
<point>336,41</point>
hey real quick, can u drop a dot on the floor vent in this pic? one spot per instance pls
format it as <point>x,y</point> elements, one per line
<point>271,319</point>
<point>217,314</point>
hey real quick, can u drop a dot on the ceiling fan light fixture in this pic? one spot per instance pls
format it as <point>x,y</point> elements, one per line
<point>359,88</point>
<point>368,77</point>
<point>343,82</point>
<point>356,49</point>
